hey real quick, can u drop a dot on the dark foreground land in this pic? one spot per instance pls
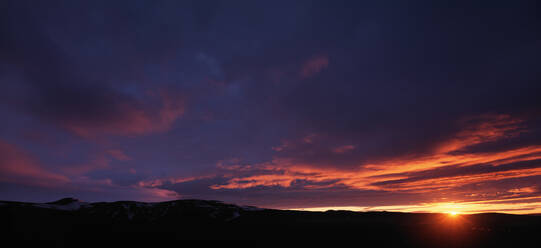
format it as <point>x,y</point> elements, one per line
<point>196,223</point>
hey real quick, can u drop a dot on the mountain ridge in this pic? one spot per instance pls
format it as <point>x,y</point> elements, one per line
<point>123,223</point>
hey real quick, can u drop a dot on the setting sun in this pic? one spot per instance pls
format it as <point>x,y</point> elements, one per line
<point>453,214</point>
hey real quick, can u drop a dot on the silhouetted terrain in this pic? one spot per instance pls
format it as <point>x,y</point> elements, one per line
<point>196,223</point>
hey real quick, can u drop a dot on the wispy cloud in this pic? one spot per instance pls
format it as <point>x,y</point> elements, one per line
<point>17,166</point>
<point>313,66</point>
<point>442,172</point>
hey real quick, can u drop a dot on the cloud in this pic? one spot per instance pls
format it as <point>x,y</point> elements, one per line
<point>85,190</point>
<point>127,119</point>
<point>118,155</point>
<point>97,162</point>
<point>16,166</point>
<point>441,174</point>
<point>323,106</point>
<point>313,66</point>
<point>523,190</point>
<point>24,178</point>
<point>58,90</point>
<point>343,149</point>
<point>351,152</point>
<point>442,180</point>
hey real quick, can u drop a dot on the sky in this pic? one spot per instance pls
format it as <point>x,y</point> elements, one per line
<point>361,105</point>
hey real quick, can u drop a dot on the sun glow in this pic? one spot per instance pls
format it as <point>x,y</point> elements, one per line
<point>524,205</point>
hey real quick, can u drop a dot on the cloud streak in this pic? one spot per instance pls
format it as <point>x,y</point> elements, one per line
<point>510,174</point>
<point>313,66</point>
<point>129,120</point>
<point>17,166</point>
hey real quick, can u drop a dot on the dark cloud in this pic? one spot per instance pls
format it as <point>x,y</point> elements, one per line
<point>59,91</point>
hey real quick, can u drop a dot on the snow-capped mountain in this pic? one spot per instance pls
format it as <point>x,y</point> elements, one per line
<point>142,211</point>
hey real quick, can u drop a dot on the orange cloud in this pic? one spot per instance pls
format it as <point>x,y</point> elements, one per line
<point>367,178</point>
<point>442,170</point>
<point>523,190</point>
<point>489,128</point>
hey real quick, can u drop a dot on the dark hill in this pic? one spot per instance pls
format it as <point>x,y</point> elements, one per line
<point>64,201</point>
<point>196,223</point>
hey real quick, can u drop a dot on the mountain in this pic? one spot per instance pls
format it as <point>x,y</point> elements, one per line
<point>64,201</point>
<point>71,223</point>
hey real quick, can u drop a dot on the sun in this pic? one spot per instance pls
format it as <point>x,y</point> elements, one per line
<point>453,214</point>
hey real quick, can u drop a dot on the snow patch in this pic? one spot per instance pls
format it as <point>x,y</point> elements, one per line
<point>235,215</point>
<point>251,208</point>
<point>205,205</point>
<point>143,204</point>
<point>67,207</point>
<point>130,215</point>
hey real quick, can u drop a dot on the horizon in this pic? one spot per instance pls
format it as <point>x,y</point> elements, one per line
<point>391,209</point>
<point>386,105</point>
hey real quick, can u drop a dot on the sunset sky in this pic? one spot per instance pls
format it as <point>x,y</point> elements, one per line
<point>361,105</point>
